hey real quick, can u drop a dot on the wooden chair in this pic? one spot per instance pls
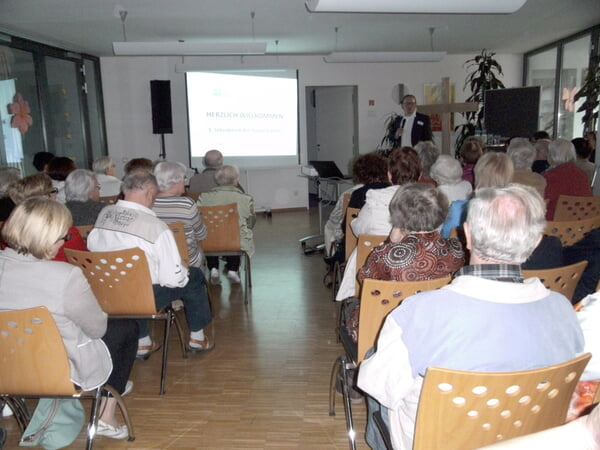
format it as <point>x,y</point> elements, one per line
<point>193,195</point>
<point>122,285</point>
<point>570,207</point>
<point>377,300</point>
<point>110,199</point>
<point>180,240</point>
<point>223,237</point>
<point>560,279</point>
<point>84,230</point>
<point>467,410</point>
<point>350,243</point>
<point>571,231</point>
<point>34,364</point>
<point>366,243</point>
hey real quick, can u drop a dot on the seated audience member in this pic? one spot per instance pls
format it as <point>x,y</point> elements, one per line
<point>138,163</point>
<point>82,193</point>
<point>363,171</point>
<point>588,249</point>
<point>40,185</point>
<point>8,175</point>
<point>404,167</point>
<point>170,206</point>
<point>590,141</point>
<point>205,181</point>
<point>582,160</point>
<point>539,135</point>
<point>563,177</point>
<point>503,226</point>
<point>227,191</point>
<point>34,233</point>
<point>58,169</point>
<point>414,251</point>
<point>523,154</point>
<point>493,169</point>
<point>540,165</point>
<point>104,168</point>
<point>470,152</point>
<point>447,173</point>
<point>41,160</point>
<point>170,279</point>
<point>428,154</point>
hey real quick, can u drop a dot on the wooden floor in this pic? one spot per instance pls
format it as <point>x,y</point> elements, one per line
<point>265,385</point>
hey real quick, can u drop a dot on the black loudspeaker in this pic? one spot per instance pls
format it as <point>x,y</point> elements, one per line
<point>162,120</point>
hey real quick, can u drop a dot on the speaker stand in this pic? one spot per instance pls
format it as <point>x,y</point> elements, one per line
<point>163,151</point>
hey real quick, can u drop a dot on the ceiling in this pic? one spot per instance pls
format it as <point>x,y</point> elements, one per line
<point>90,26</point>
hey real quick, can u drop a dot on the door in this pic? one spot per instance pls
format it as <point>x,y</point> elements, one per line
<point>332,124</point>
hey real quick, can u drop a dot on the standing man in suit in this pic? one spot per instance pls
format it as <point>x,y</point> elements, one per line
<point>412,127</point>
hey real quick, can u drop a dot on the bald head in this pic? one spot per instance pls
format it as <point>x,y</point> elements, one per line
<point>213,159</point>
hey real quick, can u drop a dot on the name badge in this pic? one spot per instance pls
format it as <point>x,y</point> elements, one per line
<point>419,122</point>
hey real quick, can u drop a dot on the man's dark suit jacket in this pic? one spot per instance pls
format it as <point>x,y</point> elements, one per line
<point>421,130</point>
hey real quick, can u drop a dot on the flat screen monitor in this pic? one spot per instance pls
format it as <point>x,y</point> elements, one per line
<point>512,112</point>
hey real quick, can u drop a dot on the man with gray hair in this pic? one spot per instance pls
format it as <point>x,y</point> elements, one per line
<point>488,319</point>
<point>205,181</point>
<point>563,177</point>
<point>132,223</point>
<point>82,192</point>
<point>523,153</point>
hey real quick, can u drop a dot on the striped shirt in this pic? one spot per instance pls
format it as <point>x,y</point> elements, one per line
<point>183,209</point>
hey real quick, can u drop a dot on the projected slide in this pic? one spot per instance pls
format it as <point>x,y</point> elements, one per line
<point>243,116</point>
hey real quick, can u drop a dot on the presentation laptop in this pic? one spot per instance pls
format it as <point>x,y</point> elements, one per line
<point>328,169</point>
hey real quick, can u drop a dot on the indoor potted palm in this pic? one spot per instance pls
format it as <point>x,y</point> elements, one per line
<point>590,91</point>
<point>483,72</point>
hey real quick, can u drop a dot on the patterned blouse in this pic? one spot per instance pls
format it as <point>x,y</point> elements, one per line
<point>417,257</point>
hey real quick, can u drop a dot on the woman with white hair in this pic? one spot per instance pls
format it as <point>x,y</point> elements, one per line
<point>7,176</point>
<point>523,154</point>
<point>82,192</point>
<point>447,173</point>
<point>171,205</point>
<point>563,177</point>
<point>104,168</point>
<point>428,155</point>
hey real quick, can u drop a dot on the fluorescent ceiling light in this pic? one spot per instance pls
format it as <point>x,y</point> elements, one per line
<point>383,57</point>
<point>188,48</point>
<point>417,7</point>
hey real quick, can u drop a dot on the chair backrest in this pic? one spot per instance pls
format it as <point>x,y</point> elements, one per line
<point>222,227</point>
<point>467,410</point>
<point>570,207</point>
<point>84,230</point>
<point>110,199</point>
<point>180,240</point>
<point>366,243</point>
<point>560,279</point>
<point>378,299</point>
<point>120,280</point>
<point>350,237</point>
<point>193,195</point>
<point>33,359</point>
<point>571,231</point>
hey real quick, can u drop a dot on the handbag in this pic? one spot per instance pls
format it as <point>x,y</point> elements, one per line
<point>55,423</point>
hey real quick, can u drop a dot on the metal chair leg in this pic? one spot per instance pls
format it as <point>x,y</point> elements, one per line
<point>93,423</point>
<point>123,409</point>
<point>182,339</point>
<point>335,376</point>
<point>163,372</point>
<point>347,404</point>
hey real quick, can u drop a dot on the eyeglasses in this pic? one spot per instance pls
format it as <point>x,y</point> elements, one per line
<point>53,191</point>
<point>66,237</point>
<point>98,187</point>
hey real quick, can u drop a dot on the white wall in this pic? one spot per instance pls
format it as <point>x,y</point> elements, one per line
<point>125,82</point>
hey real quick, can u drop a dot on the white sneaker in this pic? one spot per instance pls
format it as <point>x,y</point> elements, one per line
<point>128,388</point>
<point>233,277</point>
<point>215,278</point>
<point>107,430</point>
<point>6,411</point>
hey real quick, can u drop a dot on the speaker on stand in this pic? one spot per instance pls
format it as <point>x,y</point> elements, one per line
<point>162,119</point>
